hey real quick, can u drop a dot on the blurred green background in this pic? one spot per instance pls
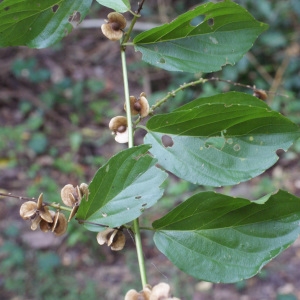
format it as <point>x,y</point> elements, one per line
<point>55,105</point>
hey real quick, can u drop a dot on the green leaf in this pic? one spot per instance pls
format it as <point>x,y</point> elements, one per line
<point>220,140</point>
<point>201,40</point>
<point>117,5</point>
<point>39,24</point>
<point>122,189</point>
<point>218,238</point>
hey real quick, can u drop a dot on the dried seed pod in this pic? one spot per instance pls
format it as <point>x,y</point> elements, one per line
<point>118,125</point>
<point>45,214</point>
<point>84,188</point>
<point>118,242</point>
<point>46,226</point>
<point>31,210</point>
<point>35,222</point>
<point>133,108</point>
<point>133,295</point>
<point>145,108</point>
<point>113,29</point>
<point>159,291</point>
<point>28,210</point>
<point>103,236</point>
<point>260,94</point>
<point>114,238</point>
<point>73,211</point>
<point>68,193</point>
<point>139,106</point>
<point>116,122</point>
<point>60,224</point>
<point>42,210</point>
<point>39,203</point>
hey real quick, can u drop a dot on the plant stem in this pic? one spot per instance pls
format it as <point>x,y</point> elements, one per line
<point>173,93</point>
<point>139,250</point>
<point>136,227</point>
<point>127,34</point>
<point>127,99</point>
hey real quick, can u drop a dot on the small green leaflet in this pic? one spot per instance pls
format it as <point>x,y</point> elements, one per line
<point>201,40</point>
<point>218,238</point>
<point>122,189</point>
<point>117,5</point>
<point>220,140</point>
<point>39,24</point>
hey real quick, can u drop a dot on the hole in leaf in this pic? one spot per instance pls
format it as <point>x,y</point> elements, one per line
<point>145,204</point>
<point>197,20</point>
<point>210,22</point>
<point>162,61</point>
<point>167,141</point>
<point>55,8</point>
<point>74,19</point>
<point>138,197</point>
<point>6,8</point>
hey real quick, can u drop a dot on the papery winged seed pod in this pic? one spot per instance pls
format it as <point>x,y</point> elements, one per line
<point>113,29</point>
<point>261,94</point>
<point>28,210</point>
<point>118,125</point>
<point>139,106</point>
<point>71,196</point>
<point>84,188</point>
<point>46,226</point>
<point>160,291</point>
<point>36,211</point>
<point>68,195</point>
<point>60,224</point>
<point>114,238</point>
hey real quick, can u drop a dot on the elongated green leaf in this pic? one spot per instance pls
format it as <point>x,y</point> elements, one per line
<point>122,189</point>
<point>39,23</point>
<point>204,39</point>
<point>220,140</point>
<point>218,238</point>
<point>117,5</point>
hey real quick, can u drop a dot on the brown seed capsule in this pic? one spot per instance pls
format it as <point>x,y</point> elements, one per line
<point>159,291</point>
<point>103,236</point>
<point>118,242</point>
<point>133,295</point>
<point>35,211</point>
<point>145,108</point>
<point>73,211</point>
<point>114,238</point>
<point>117,126</point>
<point>139,106</point>
<point>116,122</point>
<point>113,29</point>
<point>28,210</point>
<point>43,210</point>
<point>261,94</point>
<point>46,226</point>
<point>68,193</point>
<point>35,222</point>
<point>60,224</point>
<point>84,188</point>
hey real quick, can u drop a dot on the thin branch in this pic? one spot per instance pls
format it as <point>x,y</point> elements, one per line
<point>140,7</point>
